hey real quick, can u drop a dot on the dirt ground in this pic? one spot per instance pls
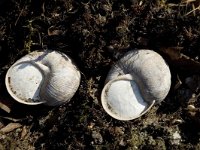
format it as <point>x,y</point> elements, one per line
<point>96,34</point>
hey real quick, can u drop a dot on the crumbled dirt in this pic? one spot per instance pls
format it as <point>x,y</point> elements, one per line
<point>95,34</point>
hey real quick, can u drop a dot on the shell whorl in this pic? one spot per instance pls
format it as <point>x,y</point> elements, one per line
<point>61,81</point>
<point>148,69</point>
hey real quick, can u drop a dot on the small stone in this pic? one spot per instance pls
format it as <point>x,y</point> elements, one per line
<point>119,130</point>
<point>97,137</point>
<point>176,138</point>
<point>177,121</point>
<point>122,143</point>
<point>191,108</point>
<point>193,82</point>
<point>91,125</point>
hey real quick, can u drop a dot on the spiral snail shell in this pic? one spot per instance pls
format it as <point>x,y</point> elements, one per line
<point>135,83</point>
<point>48,77</point>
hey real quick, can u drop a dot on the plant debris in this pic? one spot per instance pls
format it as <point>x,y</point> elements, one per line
<point>5,108</point>
<point>10,127</point>
<point>95,34</point>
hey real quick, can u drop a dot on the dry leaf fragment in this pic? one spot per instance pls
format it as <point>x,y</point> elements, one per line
<point>24,132</point>
<point>6,102</point>
<point>10,127</point>
<point>174,53</point>
<point>12,119</point>
<point>1,124</point>
<point>178,83</point>
<point>5,107</point>
<point>53,31</point>
<point>183,62</point>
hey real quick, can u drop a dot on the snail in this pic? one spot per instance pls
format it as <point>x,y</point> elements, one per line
<point>47,77</point>
<point>140,79</point>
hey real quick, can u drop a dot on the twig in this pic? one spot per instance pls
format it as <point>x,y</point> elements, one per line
<point>19,16</point>
<point>193,11</point>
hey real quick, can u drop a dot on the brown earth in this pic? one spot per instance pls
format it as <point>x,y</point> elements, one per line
<point>95,34</point>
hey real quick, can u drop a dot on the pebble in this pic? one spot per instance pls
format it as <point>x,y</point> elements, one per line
<point>98,139</point>
<point>176,138</point>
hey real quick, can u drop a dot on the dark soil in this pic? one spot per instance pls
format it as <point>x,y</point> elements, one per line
<point>96,34</point>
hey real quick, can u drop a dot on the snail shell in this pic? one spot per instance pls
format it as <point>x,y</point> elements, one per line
<point>137,81</point>
<point>48,77</point>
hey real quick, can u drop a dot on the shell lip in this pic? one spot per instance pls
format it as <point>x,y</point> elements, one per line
<point>111,111</point>
<point>12,93</point>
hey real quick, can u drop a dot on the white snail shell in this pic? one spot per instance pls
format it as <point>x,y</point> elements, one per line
<point>137,81</point>
<point>48,77</point>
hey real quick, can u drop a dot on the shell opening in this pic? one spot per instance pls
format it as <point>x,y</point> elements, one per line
<point>18,83</point>
<point>122,99</point>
